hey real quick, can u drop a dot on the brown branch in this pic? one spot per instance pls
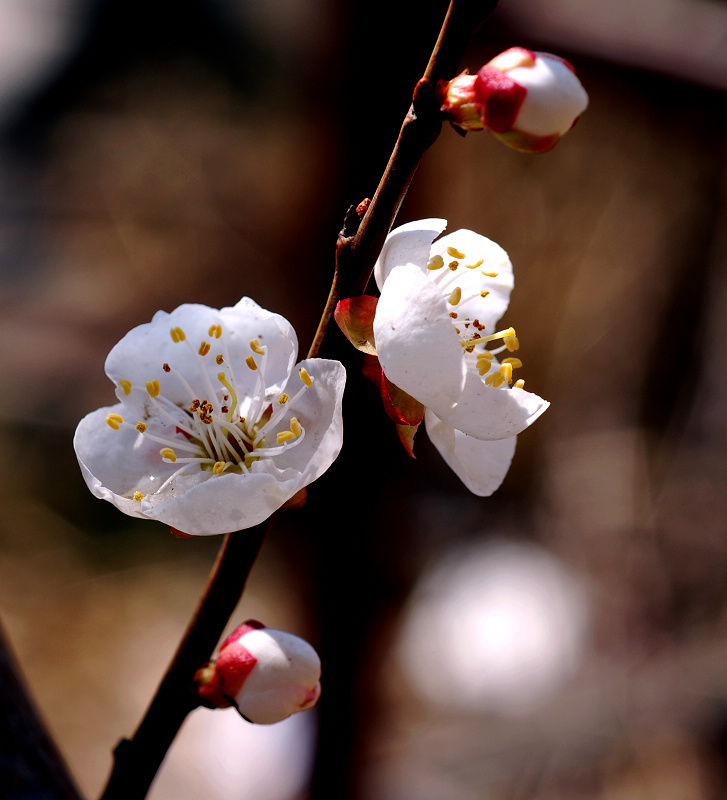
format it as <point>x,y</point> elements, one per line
<point>356,253</point>
<point>137,760</point>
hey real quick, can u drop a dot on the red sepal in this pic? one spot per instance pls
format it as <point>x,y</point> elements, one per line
<point>355,317</point>
<point>297,500</point>
<point>400,406</point>
<point>406,437</point>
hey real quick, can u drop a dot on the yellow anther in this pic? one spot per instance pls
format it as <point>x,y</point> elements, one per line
<point>455,297</point>
<point>222,378</point>
<point>126,386</point>
<point>219,467</point>
<point>219,359</point>
<point>489,274</point>
<point>484,366</point>
<point>305,377</point>
<point>153,388</point>
<point>519,384</point>
<point>215,330</point>
<point>168,454</point>
<point>435,262</point>
<point>495,380</point>
<point>285,436</point>
<point>506,370</point>
<point>516,363</point>
<point>177,334</point>
<point>485,354</point>
<point>204,348</point>
<point>295,426</point>
<point>453,314</point>
<point>509,333</point>
<point>250,361</point>
<point>166,368</point>
<point>114,421</point>
<point>453,265</point>
<point>138,496</point>
<point>141,427</point>
<point>512,342</point>
<point>452,251</point>
<point>255,347</point>
<point>283,399</point>
<point>476,264</point>
<point>484,292</point>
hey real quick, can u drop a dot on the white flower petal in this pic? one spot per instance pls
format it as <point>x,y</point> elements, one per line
<point>416,341</point>
<point>489,413</point>
<point>480,465</point>
<point>407,244</point>
<point>489,309</point>
<point>117,463</point>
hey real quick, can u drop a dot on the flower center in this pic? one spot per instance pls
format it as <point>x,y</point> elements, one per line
<point>220,429</point>
<point>464,292</point>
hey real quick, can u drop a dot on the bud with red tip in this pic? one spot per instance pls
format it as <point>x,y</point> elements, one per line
<point>266,674</point>
<point>527,99</point>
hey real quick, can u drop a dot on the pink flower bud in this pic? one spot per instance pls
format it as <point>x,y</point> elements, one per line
<point>528,100</point>
<point>265,673</point>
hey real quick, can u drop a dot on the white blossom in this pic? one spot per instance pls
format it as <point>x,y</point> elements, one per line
<point>435,320</point>
<point>216,426</point>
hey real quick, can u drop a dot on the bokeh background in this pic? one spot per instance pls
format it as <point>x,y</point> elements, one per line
<point>565,639</point>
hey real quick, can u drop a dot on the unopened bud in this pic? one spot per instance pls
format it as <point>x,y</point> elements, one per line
<point>266,674</point>
<point>527,99</point>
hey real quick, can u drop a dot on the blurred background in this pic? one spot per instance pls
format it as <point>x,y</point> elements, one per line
<point>565,639</point>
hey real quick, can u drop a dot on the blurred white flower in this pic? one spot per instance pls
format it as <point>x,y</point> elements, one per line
<point>494,627</point>
<point>215,428</point>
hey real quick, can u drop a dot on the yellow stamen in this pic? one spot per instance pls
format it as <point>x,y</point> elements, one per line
<point>168,454</point>
<point>452,251</point>
<point>219,467</point>
<point>285,436</point>
<point>250,361</point>
<point>283,399</point>
<point>455,297</point>
<point>512,342</point>
<point>475,265</point>
<point>295,426</point>
<point>516,363</point>
<point>435,262</point>
<point>255,347</point>
<point>495,380</point>
<point>204,348</point>
<point>305,377</point>
<point>506,334</point>
<point>138,496</point>
<point>215,330</point>
<point>177,335</point>
<point>153,388</point>
<point>219,359</point>
<point>126,386</point>
<point>453,265</point>
<point>519,384</point>
<point>506,370</point>
<point>141,427</point>
<point>453,314</point>
<point>114,421</point>
<point>486,354</point>
<point>489,274</point>
<point>233,394</point>
<point>484,293</point>
<point>484,366</point>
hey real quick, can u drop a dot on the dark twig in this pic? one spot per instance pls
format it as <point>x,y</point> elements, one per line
<point>137,760</point>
